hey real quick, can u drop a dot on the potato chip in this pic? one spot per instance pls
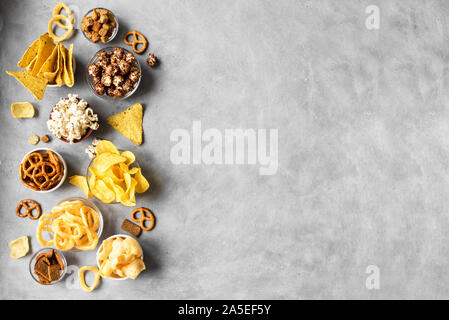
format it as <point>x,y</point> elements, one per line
<point>129,123</point>
<point>102,192</point>
<point>133,269</point>
<point>129,156</point>
<point>106,146</point>
<point>19,247</point>
<point>105,160</point>
<point>81,182</point>
<point>22,110</point>
<point>142,182</point>
<point>46,47</point>
<point>35,85</point>
<point>29,55</point>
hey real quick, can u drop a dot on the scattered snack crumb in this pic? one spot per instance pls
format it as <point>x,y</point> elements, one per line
<point>19,247</point>
<point>83,284</point>
<point>34,139</point>
<point>152,60</point>
<point>45,138</point>
<point>131,227</point>
<point>22,110</point>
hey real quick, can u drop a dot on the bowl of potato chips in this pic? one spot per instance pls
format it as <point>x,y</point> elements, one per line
<point>115,176</point>
<point>120,257</point>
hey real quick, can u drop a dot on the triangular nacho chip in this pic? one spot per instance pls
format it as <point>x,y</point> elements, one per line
<point>51,66</point>
<point>29,55</point>
<point>129,123</point>
<point>35,85</point>
<point>46,47</point>
<point>59,73</point>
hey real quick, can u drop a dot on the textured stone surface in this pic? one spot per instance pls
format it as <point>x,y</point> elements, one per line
<point>363,149</point>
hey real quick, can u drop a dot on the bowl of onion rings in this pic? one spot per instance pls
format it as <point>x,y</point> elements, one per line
<point>74,224</point>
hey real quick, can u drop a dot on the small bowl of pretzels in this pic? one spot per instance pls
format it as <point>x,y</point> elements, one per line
<point>43,170</point>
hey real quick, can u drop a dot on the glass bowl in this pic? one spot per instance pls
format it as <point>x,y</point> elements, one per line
<point>33,262</point>
<point>113,237</point>
<point>64,164</point>
<point>92,85</point>
<point>114,32</point>
<point>135,164</point>
<point>87,203</point>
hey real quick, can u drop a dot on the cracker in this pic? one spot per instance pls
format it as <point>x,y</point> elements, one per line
<point>131,227</point>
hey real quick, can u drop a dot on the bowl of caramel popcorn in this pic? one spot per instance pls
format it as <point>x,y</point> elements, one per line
<point>114,73</point>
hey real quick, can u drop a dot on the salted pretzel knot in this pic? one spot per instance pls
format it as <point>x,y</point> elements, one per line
<point>29,206</point>
<point>136,41</point>
<point>145,215</point>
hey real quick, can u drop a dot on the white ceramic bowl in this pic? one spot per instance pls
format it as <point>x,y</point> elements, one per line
<point>64,164</point>
<point>111,237</point>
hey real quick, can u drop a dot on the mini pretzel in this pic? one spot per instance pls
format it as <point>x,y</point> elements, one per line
<point>29,206</point>
<point>143,213</point>
<point>136,41</point>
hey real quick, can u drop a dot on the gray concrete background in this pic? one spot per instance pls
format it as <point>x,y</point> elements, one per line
<point>363,149</point>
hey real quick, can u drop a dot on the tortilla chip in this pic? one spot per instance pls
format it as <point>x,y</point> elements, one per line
<point>31,65</point>
<point>129,123</point>
<point>65,74</point>
<point>59,73</point>
<point>70,67</point>
<point>46,47</point>
<point>35,85</point>
<point>29,55</point>
<point>50,68</point>
<point>22,110</point>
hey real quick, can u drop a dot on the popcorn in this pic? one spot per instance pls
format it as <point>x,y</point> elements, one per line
<point>71,118</point>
